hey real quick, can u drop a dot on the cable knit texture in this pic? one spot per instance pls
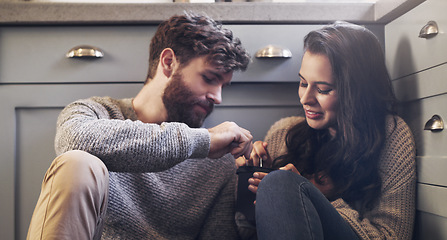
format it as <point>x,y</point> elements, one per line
<point>393,216</point>
<point>162,186</point>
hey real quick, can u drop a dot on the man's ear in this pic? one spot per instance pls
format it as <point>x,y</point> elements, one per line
<point>168,61</point>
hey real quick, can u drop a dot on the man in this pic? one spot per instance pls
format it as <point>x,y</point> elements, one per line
<point>145,160</point>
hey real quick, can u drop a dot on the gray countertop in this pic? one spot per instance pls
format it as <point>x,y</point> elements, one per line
<point>16,12</point>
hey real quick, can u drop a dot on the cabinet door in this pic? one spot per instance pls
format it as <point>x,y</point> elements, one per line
<point>29,122</point>
<point>28,127</point>
<point>406,53</point>
<point>256,106</point>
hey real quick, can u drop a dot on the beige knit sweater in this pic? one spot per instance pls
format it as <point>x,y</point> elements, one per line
<point>393,216</point>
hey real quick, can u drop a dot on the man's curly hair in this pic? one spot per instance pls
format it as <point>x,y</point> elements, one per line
<point>191,36</point>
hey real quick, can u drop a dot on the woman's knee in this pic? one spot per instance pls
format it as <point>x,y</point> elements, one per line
<point>282,182</point>
<point>281,177</point>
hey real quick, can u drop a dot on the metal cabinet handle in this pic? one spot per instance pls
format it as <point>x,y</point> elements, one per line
<point>272,51</point>
<point>434,124</point>
<point>429,30</point>
<point>85,51</point>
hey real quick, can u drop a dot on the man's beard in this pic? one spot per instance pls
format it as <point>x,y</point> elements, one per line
<point>179,102</point>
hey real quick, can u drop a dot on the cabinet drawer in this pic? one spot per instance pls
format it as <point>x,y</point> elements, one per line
<point>423,95</point>
<point>416,114</point>
<point>255,37</point>
<point>431,215</point>
<point>432,170</point>
<point>37,54</point>
<point>406,53</point>
<point>430,226</point>
<point>421,85</point>
<point>431,199</point>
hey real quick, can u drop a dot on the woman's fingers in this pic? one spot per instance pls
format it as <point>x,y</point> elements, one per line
<point>255,181</point>
<point>259,175</point>
<point>259,151</point>
<point>290,167</point>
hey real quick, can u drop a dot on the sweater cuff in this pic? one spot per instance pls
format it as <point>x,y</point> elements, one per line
<point>202,141</point>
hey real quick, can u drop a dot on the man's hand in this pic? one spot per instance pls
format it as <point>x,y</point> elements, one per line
<point>228,137</point>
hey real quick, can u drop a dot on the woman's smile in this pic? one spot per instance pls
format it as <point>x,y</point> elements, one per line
<point>313,115</point>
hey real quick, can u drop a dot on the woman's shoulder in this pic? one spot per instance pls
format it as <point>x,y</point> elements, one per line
<point>399,149</point>
<point>276,136</point>
<point>286,123</point>
<point>396,126</point>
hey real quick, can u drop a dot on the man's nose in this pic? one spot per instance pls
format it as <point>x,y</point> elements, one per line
<point>215,95</point>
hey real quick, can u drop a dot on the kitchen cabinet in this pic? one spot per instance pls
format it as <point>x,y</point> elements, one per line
<point>418,67</point>
<point>126,53</point>
<point>37,80</point>
<point>28,123</point>
<point>28,129</point>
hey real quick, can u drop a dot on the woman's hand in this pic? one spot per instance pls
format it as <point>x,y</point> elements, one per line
<point>259,152</point>
<point>326,187</point>
<point>290,167</point>
<point>258,176</point>
<point>255,181</point>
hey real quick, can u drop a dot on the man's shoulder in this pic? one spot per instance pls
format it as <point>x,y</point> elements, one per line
<point>94,100</point>
<point>106,101</point>
<point>106,105</point>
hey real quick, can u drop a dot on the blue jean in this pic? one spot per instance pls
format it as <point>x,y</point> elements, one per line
<point>288,206</point>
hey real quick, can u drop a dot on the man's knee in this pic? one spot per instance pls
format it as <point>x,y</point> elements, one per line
<point>79,168</point>
<point>80,161</point>
<point>73,198</point>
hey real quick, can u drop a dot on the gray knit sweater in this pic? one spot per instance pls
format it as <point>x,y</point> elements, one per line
<point>162,186</point>
<point>393,216</point>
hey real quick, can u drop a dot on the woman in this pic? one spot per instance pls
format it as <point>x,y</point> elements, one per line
<point>351,160</point>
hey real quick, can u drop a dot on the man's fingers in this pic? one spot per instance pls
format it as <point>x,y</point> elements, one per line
<point>228,137</point>
<point>243,145</point>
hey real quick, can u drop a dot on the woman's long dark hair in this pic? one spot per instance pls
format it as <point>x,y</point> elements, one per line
<point>365,98</point>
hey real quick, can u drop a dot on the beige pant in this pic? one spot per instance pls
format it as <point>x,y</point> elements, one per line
<point>73,199</point>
